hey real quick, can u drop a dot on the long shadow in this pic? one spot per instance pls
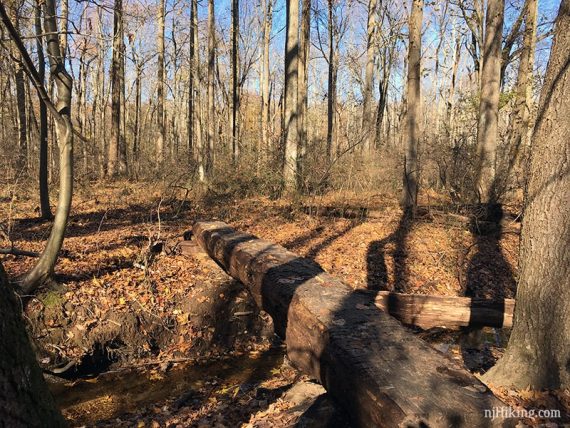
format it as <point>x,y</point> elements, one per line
<point>488,275</point>
<point>377,271</point>
<point>84,224</point>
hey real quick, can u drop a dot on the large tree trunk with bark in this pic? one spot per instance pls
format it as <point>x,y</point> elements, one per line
<point>538,353</point>
<point>331,87</point>
<point>291,97</point>
<point>382,374</point>
<point>25,400</point>
<point>488,126</point>
<point>413,112</point>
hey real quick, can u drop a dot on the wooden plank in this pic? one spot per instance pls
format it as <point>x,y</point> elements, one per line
<point>382,374</point>
<point>425,311</point>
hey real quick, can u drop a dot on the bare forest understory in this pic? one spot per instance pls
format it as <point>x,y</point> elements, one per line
<point>141,328</point>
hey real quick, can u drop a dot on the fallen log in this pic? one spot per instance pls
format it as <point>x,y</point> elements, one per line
<point>381,373</point>
<point>439,311</point>
<point>427,311</point>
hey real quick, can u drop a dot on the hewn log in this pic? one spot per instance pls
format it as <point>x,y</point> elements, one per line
<point>439,311</point>
<point>381,373</point>
<point>426,311</point>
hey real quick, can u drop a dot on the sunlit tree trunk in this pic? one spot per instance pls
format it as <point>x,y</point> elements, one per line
<point>116,80</point>
<point>291,105</point>
<point>235,91</point>
<point>331,101</point>
<point>538,353</point>
<point>304,50</point>
<point>487,131</point>
<point>211,72</point>
<point>413,110</point>
<point>267,24</point>
<point>161,129</point>
<point>371,47</point>
<point>197,91</point>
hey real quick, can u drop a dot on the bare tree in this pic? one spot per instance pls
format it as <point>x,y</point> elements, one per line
<point>161,136</point>
<point>413,112</point>
<point>371,48</point>
<point>45,210</point>
<point>267,25</point>
<point>539,346</point>
<point>211,77</point>
<point>43,269</point>
<point>487,131</point>
<point>304,51</point>
<point>291,96</point>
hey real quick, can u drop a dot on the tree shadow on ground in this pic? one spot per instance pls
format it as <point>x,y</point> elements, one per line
<point>376,267</point>
<point>488,275</point>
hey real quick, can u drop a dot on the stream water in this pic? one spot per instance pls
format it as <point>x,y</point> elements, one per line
<point>105,397</point>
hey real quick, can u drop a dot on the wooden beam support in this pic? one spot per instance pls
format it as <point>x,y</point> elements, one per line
<point>381,373</point>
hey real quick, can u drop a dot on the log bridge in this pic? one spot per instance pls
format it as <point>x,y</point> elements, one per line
<point>374,367</point>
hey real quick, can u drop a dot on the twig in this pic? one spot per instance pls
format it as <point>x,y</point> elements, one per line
<point>17,252</point>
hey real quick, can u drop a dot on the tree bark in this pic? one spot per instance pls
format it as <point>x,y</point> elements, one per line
<point>197,91</point>
<point>304,50</point>
<point>25,400</point>
<point>267,25</point>
<point>45,209</point>
<point>413,111</point>
<point>116,82</point>
<point>331,101</point>
<point>161,129</point>
<point>291,106</point>
<point>235,91</point>
<point>487,131</point>
<point>209,164</point>
<point>371,47</point>
<point>538,353</point>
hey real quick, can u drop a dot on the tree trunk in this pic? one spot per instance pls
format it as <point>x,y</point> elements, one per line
<point>45,210</point>
<point>267,24</point>
<point>197,90</point>
<point>487,132</point>
<point>191,96</point>
<point>25,400</point>
<point>538,353</point>
<point>331,101</point>
<point>211,72</point>
<point>235,92</point>
<point>116,80</point>
<point>413,111</point>
<point>62,112</point>
<point>371,47</point>
<point>22,155</point>
<point>291,132</point>
<point>304,49</point>
<point>161,131</point>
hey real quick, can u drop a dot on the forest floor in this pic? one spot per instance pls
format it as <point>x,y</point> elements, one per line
<point>181,344</point>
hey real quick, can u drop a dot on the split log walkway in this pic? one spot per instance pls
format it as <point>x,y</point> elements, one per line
<point>381,373</point>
